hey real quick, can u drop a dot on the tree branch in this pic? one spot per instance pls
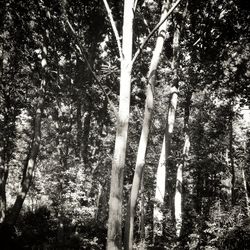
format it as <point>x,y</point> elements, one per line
<point>135,4</point>
<point>153,31</point>
<point>114,28</point>
<point>83,54</point>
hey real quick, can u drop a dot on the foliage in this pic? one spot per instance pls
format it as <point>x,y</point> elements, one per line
<point>70,185</point>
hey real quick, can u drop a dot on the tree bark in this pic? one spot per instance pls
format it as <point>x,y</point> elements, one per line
<point>140,161</point>
<point>231,159</point>
<point>180,167</point>
<point>6,147</point>
<point>29,165</point>
<point>114,239</point>
<point>164,159</point>
<point>159,194</point>
<point>3,170</point>
<point>142,216</point>
<point>246,191</point>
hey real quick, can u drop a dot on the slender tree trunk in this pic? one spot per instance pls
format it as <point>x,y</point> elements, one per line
<point>178,200</point>
<point>3,170</point>
<point>79,128</point>
<point>83,121</point>
<point>178,189</point>
<point>140,161</point>
<point>159,194</point>
<point>142,216</point>
<point>163,164</point>
<point>29,166</point>
<point>6,148</point>
<point>231,159</point>
<point>114,239</point>
<point>164,159</point>
<point>85,135</point>
<point>246,191</point>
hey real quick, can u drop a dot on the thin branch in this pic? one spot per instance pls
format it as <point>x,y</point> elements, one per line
<point>197,41</point>
<point>114,28</point>
<point>83,54</point>
<point>135,4</point>
<point>153,31</point>
<point>146,24</point>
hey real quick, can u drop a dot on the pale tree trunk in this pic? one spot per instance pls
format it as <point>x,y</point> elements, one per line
<point>140,161</point>
<point>142,216</point>
<point>6,148</point>
<point>29,165</point>
<point>164,158</point>
<point>3,171</point>
<point>178,200</point>
<point>231,159</point>
<point>180,167</point>
<point>114,239</point>
<point>246,191</point>
<point>163,164</point>
<point>159,193</point>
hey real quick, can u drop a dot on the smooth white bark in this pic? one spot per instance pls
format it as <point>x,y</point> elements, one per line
<point>140,161</point>
<point>178,200</point>
<point>114,239</point>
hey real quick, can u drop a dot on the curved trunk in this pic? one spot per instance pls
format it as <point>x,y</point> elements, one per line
<point>29,166</point>
<point>140,161</point>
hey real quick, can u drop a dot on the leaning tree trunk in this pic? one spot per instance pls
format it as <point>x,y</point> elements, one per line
<point>29,165</point>
<point>140,161</point>
<point>180,167</point>
<point>114,239</point>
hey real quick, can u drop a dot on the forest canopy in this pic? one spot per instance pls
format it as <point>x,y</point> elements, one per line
<point>124,124</point>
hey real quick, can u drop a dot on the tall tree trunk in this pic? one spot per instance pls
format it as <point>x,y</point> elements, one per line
<point>6,147</point>
<point>163,164</point>
<point>114,239</point>
<point>231,159</point>
<point>142,216</point>
<point>29,165</point>
<point>85,135</point>
<point>164,159</point>
<point>159,194</point>
<point>180,167</point>
<point>178,200</point>
<point>79,128</point>
<point>140,161</point>
<point>246,191</point>
<point>83,121</point>
<point>3,170</point>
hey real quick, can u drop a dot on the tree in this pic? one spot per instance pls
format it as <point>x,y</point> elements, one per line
<point>114,240</point>
<point>140,162</point>
<point>172,105</point>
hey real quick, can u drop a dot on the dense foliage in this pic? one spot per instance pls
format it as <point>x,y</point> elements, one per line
<point>59,91</point>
